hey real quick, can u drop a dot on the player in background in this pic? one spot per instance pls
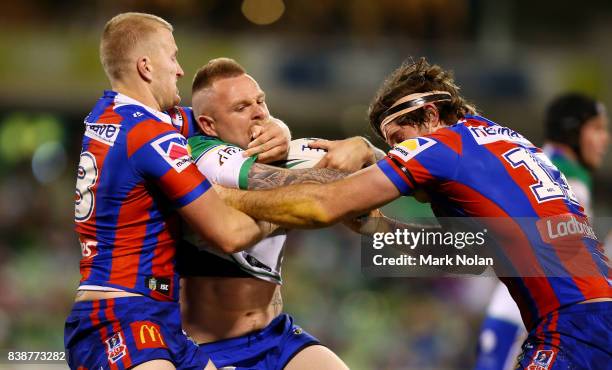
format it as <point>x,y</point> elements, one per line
<point>576,139</point>
<point>470,166</point>
<point>135,177</point>
<point>232,304</point>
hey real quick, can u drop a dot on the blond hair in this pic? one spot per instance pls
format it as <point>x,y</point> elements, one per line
<point>121,35</point>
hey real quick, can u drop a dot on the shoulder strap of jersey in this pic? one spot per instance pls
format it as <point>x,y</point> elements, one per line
<point>200,144</point>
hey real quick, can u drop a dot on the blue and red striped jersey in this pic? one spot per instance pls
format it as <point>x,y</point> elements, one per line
<point>477,168</point>
<point>135,169</point>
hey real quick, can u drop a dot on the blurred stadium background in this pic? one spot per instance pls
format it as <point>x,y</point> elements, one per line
<point>320,63</point>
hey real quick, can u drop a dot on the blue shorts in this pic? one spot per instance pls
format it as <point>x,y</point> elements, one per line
<point>575,337</point>
<point>123,332</point>
<point>268,349</point>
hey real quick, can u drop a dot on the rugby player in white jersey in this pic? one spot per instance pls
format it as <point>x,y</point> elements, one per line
<point>232,304</point>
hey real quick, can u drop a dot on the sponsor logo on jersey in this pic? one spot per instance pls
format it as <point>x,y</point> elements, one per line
<point>115,347</point>
<point>89,248</point>
<point>158,284</point>
<point>490,134</point>
<point>106,133</point>
<point>565,227</point>
<point>226,152</point>
<point>147,335</point>
<point>175,150</point>
<point>408,149</point>
<point>542,360</point>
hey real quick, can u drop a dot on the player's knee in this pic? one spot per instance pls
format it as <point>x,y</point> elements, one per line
<point>316,357</point>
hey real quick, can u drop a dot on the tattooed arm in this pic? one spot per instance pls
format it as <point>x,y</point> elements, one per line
<point>263,176</point>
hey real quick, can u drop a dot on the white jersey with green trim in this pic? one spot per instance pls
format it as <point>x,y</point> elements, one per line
<point>224,164</point>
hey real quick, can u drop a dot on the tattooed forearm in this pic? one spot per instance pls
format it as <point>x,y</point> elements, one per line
<point>262,176</point>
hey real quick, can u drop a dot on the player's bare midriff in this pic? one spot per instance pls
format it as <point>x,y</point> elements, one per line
<point>227,307</point>
<point>94,295</point>
<point>595,300</point>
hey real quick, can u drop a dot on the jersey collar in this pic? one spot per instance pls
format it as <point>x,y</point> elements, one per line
<point>121,100</point>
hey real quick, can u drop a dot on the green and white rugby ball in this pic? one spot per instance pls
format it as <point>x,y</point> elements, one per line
<point>301,155</point>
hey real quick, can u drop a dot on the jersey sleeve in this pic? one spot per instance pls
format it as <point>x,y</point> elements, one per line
<point>419,162</point>
<point>184,121</point>
<point>221,162</point>
<point>159,153</point>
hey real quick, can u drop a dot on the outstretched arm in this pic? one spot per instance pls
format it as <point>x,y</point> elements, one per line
<point>314,205</point>
<point>349,155</point>
<point>221,226</point>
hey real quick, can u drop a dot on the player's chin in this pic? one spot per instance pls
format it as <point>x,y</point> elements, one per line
<point>177,99</point>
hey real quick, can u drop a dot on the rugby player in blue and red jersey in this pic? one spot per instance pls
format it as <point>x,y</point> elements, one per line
<point>135,177</point>
<point>468,166</point>
<point>576,129</point>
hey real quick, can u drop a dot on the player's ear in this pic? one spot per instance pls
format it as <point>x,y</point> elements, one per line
<point>145,68</point>
<point>432,116</point>
<point>207,125</point>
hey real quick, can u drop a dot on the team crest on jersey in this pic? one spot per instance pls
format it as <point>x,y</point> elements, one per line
<point>115,347</point>
<point>408,149</point>
<point>542,360</point>
<point>106,133</point>
<point>175,150</point>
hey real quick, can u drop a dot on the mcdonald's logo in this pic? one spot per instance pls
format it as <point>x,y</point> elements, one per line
<point>147,335</point>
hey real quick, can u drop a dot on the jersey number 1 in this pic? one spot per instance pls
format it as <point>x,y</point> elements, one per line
<point>545,188</point>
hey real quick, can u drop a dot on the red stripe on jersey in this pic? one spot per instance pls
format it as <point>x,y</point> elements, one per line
<point>109,116</point>
<point>473,123</point>
<point>573,255</point>
<point>143,132</point>
<point>399,171</point>
<point>110,316</point>
<point>176,185</point>
<point>164,254</point>
<point>515,245</point>
<point>552,328</point>
<point>129,238</point>
<point>93,316</point>
<point>449,138</point>
<point>579,264</point>
<point>420,174</point>
<point>95,321</point>
<point>87,230</point>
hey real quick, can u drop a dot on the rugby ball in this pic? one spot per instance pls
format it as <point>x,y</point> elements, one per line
<point>301,155</point>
